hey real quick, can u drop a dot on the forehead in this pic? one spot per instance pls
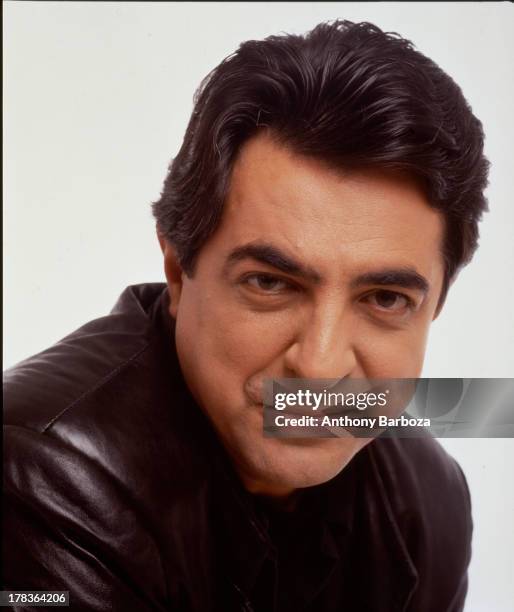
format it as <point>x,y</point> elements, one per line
<point>337,220</point>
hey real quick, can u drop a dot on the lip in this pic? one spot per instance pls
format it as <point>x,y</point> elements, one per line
<point>316,385</point>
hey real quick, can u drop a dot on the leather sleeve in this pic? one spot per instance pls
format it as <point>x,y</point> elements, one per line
<point>67,526</point>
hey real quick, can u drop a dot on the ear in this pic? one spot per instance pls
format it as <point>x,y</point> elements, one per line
<point>173,271</point>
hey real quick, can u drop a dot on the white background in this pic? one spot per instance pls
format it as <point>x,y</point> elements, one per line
<point>96,101</point>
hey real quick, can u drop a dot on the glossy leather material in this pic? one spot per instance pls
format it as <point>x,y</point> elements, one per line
<point>117,490</point>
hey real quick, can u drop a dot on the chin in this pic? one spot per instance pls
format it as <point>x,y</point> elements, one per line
<point>300,463</point>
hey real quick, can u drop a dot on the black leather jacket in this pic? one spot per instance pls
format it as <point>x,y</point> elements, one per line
<point>117,490</point>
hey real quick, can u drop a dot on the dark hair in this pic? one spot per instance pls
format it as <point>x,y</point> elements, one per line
<point>346,93</point>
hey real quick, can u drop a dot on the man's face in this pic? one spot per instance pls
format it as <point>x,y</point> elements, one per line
<point>312,273</point>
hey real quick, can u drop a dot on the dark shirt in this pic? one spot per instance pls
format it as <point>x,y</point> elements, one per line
<point>117,489</point>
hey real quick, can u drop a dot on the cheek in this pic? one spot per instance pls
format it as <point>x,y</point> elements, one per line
<point>392,353</point>
<point>221,344</point>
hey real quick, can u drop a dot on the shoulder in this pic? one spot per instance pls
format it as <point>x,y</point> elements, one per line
<point>100,397</point>
<point>40,389</point>
<point>426,493</point>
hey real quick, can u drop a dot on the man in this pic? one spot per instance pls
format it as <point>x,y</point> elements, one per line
<point>326,194</point>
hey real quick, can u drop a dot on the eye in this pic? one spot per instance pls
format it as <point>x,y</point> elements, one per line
<point>266,283</point>
<point>389,301</point>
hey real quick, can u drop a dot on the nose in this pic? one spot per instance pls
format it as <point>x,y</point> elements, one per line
<point>323,346</point>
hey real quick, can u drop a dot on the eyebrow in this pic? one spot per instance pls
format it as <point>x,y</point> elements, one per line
<point>407,278</point>
<point>271,256</point>
<point>265,253</point>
